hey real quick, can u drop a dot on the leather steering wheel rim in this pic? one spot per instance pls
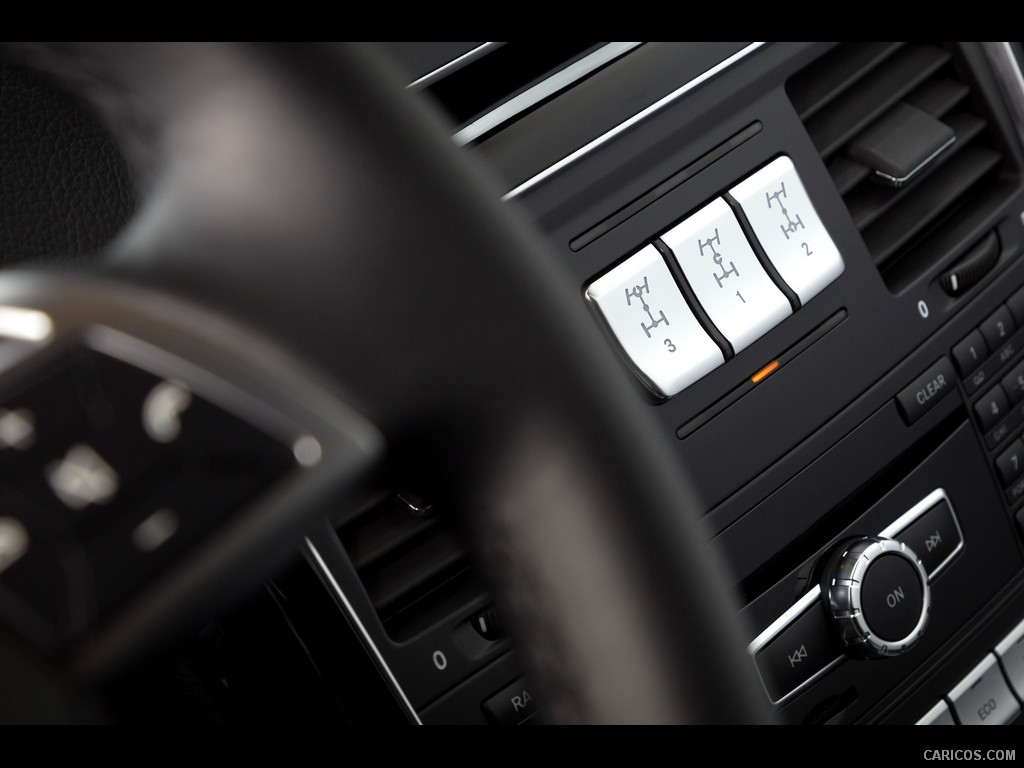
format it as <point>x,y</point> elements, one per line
<point>299,192</point>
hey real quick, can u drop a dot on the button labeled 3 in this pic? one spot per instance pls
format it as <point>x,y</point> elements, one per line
<point>648,315</point>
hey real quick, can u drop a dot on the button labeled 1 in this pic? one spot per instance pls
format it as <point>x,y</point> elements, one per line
<point>787,226</point>
<point>648,315</point>
<point>723,271</point>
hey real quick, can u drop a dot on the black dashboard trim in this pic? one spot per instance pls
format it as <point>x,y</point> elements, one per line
<point>624,126</point>
<point>605,225</point>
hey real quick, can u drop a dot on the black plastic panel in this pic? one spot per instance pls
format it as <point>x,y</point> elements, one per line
<point>989,560</point>
<point>819,450</point>
<point>831,445</point>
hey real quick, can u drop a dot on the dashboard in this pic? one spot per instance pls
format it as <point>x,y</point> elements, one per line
<point>803,260</point>
<point>782,245</point>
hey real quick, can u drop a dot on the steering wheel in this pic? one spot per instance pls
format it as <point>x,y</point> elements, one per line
<point>308,227</point>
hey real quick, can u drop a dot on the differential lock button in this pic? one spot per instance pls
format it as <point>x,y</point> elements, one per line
<point>876,591</point>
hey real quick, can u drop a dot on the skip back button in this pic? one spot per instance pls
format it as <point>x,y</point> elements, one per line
<point>805,648</point>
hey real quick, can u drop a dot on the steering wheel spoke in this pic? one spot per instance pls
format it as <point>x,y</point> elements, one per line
<point>341,249</point>
<point>145,467</point>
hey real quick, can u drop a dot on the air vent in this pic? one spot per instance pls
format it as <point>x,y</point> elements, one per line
<point>901,135</point>
<point>495,84</point>
<point>507,70</point>
<point>415,570</point>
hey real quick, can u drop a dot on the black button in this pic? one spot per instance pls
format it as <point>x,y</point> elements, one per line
<point>1016,492</point>
<point>1005,428</point>
<point>798,653</point>
<point>991,408</point>
<point>512,705</point>
<point>1010,463</point>
<point>35,421</point>
<point>88,449</point>
<point>116,393</point>
<point>933,537</point>
<point>998,328</point>
<point>1016,305</point>
<point>926,391</point>
<point>151,418</point>
<point>892,597</point>
<point>54,400</point>
<point>970,353</point>
<point>160,526</point>
<point>1013,384</point>
<point>33,579</point>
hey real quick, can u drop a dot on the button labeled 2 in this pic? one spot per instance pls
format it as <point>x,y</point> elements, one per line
<point>787,226</point>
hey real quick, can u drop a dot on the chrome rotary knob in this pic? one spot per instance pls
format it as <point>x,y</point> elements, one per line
<point>876,590</point>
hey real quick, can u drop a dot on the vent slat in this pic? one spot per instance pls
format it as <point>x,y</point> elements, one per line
<point>870,201</point>
<point>838,70</point>
<point>946,243</point>
<point>410,572</point>
<point>414,568</point>
<point>937,97</point>
<point>388,527</point>
<point>913,213</point>
<point>869,98</point>
<point>914,229</point>
<point>498,76</point>
<point>847,174</point>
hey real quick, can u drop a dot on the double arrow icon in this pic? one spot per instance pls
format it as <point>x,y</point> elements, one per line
<point>797,656</point>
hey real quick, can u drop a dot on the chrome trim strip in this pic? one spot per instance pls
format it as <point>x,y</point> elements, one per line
<point>899,181</point>
<point>25,324</point>
<point>794,612</point>
<point>1005,645</point>
<point>639,117</point>
<point>364,633</point>
<point>23,332</point>
<point>933,715</point>
<point>787,618</point>
<point>911,515</point>
<point>1007,71</point>
<point>444,69</point>
<point>507,111</point>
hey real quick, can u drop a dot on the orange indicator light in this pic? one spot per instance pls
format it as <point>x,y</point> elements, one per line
<point>763,373</point>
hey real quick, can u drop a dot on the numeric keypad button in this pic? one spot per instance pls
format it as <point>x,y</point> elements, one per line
<point>991,408</point>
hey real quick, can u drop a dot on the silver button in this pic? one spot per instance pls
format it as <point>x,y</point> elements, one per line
<point>1011,654</point>
<point>983,697</point>
<point>723,271</point>
<point>937,715</point>
<point>660,336</point>
<point>787,226</point>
